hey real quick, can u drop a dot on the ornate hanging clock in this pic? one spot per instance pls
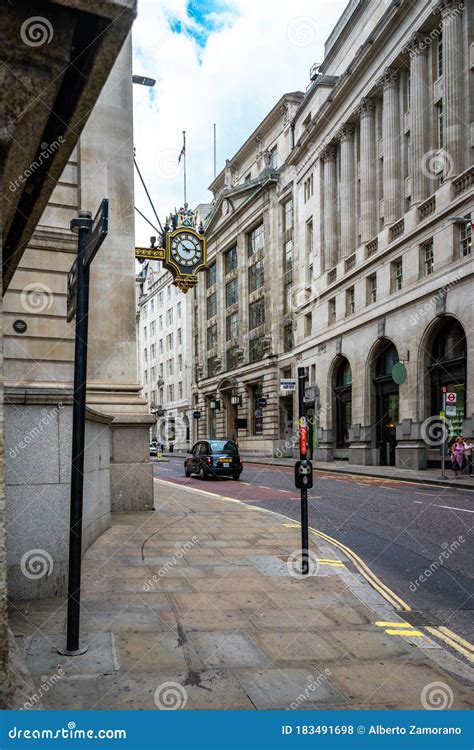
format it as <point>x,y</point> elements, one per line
<point>183,250</point>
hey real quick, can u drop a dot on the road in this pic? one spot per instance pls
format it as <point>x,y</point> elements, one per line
<point>416,538</point>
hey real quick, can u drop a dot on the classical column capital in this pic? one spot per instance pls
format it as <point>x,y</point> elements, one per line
<point>389,78</point>
<point>345,132</point>
<point>446,7</point>
<point>329,153</point>
<point>366,108</point>
<point>417,44</point>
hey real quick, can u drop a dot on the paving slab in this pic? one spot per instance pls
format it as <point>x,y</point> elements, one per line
<point>224,649</point>
<point>288,688</point>
<point>150,652</point>
<point>285,647</point>
<point>42,658</point>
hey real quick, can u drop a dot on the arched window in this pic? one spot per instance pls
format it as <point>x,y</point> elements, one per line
<point>343,396</point>
<point>447,369</point>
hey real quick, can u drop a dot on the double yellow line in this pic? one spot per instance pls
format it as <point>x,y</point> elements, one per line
<point>442,633</point>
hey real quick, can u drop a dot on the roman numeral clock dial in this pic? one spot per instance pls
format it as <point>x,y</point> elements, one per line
<point>185,254</point>
<point>186,250</point>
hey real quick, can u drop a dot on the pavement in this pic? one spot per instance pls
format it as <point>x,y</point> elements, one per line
<point>201,605</point>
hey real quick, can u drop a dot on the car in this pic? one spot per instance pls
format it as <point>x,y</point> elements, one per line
<point>212,457</point>
<point>153,448</point>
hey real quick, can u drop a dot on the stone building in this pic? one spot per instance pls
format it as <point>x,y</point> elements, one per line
<point>239,329</point>
<point>384,196</point>
<point>352,252</point>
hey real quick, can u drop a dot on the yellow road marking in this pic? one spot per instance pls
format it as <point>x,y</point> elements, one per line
<point>456,638</point>
<point>334,563</point>
<point>383,624</point>
<point>415,633</point>
<point>438,634</point>
<point>292,525</point>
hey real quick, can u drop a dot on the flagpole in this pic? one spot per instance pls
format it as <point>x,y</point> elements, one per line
<point>215,152</point>
<point>184,149</point>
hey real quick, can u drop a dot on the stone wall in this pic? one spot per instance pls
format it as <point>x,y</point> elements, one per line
<point>38,444</point>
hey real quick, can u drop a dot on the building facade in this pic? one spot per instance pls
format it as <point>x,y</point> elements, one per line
<point>164,336</point>
<point>238,309</point>
<point>365,242</point>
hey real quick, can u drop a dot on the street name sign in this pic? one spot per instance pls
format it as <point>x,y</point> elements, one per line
<point>288,385</point>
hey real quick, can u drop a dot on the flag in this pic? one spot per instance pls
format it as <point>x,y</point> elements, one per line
<point>183,150</point>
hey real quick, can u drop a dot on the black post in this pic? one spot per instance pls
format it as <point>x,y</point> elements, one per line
<point>82,225</point>
<point>303,436</point>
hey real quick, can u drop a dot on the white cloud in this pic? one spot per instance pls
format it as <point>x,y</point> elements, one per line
<point>259,50</point>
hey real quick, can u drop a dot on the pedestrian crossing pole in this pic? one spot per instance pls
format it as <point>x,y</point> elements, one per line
<point>302,468</point>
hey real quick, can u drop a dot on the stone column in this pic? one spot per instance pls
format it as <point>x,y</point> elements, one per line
<point>419,110</point>
<point>330,206</point>
<point>453,79</point>
<point>347,190</point>
<point>368,208</point>
<point>391,145</point>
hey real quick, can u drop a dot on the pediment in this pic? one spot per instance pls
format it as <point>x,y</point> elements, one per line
<point>233,200</point>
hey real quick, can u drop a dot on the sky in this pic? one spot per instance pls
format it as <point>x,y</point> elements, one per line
<point>217,61</point>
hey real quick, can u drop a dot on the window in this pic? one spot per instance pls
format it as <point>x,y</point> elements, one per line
<point>160,322</point>
<point>153,374</point>
<point>169,341</point>
<point>309,238</point>
<point>397,275</point>
<point>274,157</point>
<point>231,293</point>
<point>170,393</point>
<point>257,314</point>
<point>152,329</point>
<point>256,276</point>
<point>372,289</point>
<point>180,390</point>
<point>232,357</point>
<point>169,292</point>
<point>180,336</point>
<point>145,355</point>
<point>180,363</point>
<point>440,125</point>
<point>465,238</point>
<point>145,376</point>
<point>152,305</point>
<point>160,345</point>
<point>308,188</point>
<point>350,301</point>
<point>144,333</point>
<point>232,326</point>
<point>212,305</point>
<point>211,275</point>
<point>153,352</point>
<point>287,296</point>
<point>211,367</point>
<point>212,336</point>
<point>256,349</point>
<point>427,258</point>
<point>332,310</point>
<point>308,324</point>
<point>255,240</point>
<point>288,215</point>
<point>178,309</point>
<point>288,256</point>
<point>170,367</point>
<point>230,259</point>
<point>288,336</point>
<point>160,299</point>
<point>161,369</point>
<point>257,412</point>
<point>439,56</point>
<point>169,317</point>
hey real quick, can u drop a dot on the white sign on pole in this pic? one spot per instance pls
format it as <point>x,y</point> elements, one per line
<point>450,410</point>
<point>288,385</point>
<point>451,398</point>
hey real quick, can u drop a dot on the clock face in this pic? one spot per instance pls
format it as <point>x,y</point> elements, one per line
<point>186,250</point>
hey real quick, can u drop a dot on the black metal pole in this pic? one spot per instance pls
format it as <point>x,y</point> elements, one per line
<point>73,648</point>
<point>303,436</point>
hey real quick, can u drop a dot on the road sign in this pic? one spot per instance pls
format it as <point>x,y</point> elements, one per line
<point>197,414</point>
<point>451,398</point>
<point>98,232</point>
<point>444,389</point>
<point>288,385</point>
<point>450,410</point>
<point>262,402</point>
<point>71,292</point>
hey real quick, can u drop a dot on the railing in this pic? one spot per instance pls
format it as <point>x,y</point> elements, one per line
<point>332,275</point>
<point>464,181</point>
<point>350,262</point>
<point>427,207</point>
<point>396,230</point>
<point>372,246</point>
